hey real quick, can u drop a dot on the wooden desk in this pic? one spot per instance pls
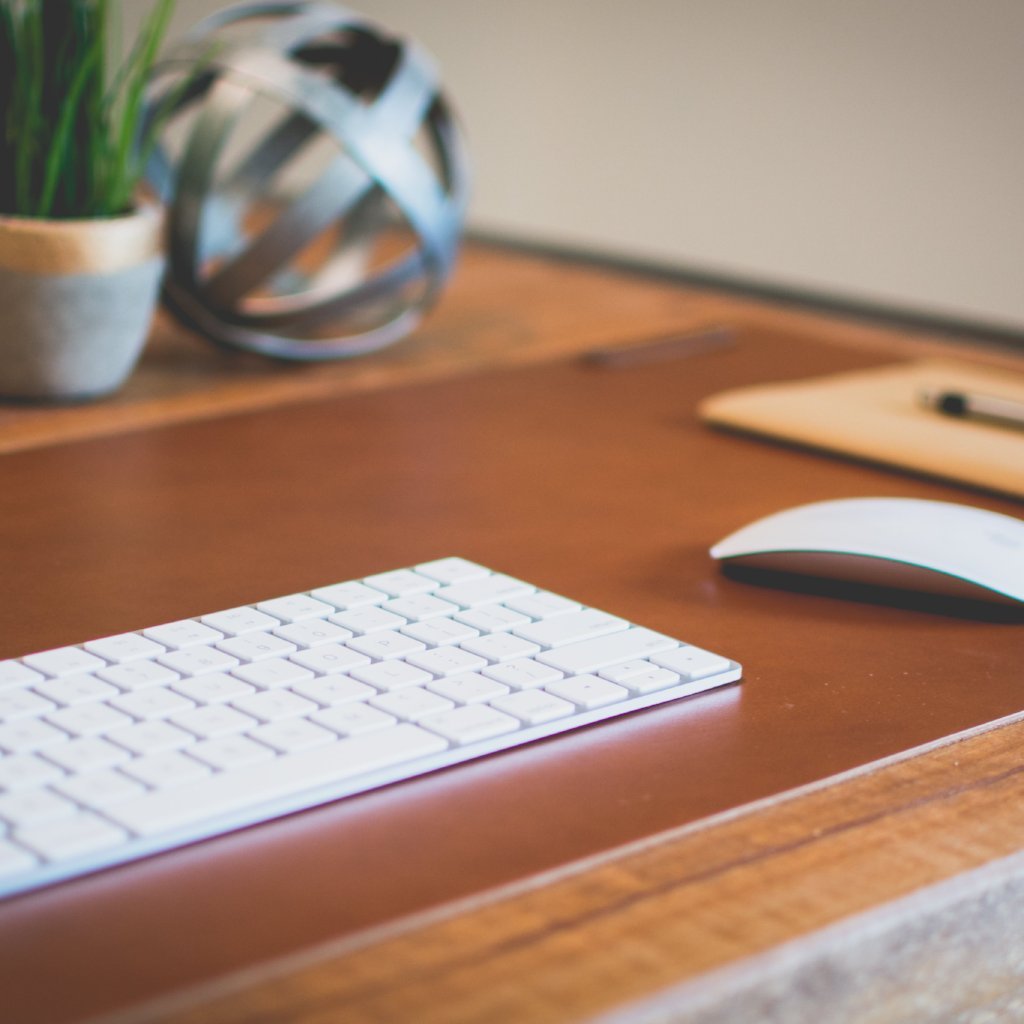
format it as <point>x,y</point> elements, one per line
<point>648,866</point>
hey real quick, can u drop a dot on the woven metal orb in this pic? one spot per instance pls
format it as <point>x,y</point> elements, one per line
<point>315,181</point>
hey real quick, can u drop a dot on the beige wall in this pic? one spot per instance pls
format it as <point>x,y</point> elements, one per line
<point>869,148</point>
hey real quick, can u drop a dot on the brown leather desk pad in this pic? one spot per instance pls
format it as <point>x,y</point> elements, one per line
<point>597,483</point>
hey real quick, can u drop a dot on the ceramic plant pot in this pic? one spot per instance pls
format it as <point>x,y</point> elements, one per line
<point>76,301</point>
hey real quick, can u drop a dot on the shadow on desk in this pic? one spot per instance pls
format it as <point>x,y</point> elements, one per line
<point>883,597</point>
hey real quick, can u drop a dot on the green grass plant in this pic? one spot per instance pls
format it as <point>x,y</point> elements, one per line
<point>72,137</point>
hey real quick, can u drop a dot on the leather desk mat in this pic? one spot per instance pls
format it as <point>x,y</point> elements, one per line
<point>597,483</point>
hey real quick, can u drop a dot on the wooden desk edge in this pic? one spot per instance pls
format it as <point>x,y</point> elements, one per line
<point>894,889</point>
<point>505,308</point>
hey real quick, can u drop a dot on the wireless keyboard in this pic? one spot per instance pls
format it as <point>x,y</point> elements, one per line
<point>128,745</point>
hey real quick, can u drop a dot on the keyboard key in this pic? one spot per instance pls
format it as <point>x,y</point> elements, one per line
<point>34,806</point>
<point>275,779</point>
<point>293,735</point>
<point>345,596</point>
<point>452,570</point>
<point>87,754</point>
<point>336,689</point>
<point>101,789</point>
<point>28,734</point>
<point>691,662</point>
<point>75,837</point>
<point>487,590</point>
<point>165,771</point>
<point>391,675</point>
<point>228,752</point>
<point>650,682</point>
<point>410,704</point>
<point>368,620</point>
<point>183,634</point>
<point>137,675</point>
<point>534,707</point>
<point>239,621</point>
<point>296,607</point>
<point>70,690</point>
<point>470,723</point>
<point>500,647</point>
<point>212,721</point>
<point>124,647</point>
<point>194,661</point>
<point>329,658</point>
<point>64,661</point>
<point>491,618</point>
<point>621,671</point>
<point>419,607</point>
<point>447,661</point>
<point>273,673</point>
<point>385,643</point>
<point>256,646</point>
<point>88,719</point>
<point>570,628</point>
<point>273,705</point>
<point>23,704</point>
<point>468,688</point>
<point>401,583</point>
<point>542,605</point>
<point>152,737</point>
<point>155,702</point>
<point>24,771</point>
<point>522,673</point>
<point>312,633</point>
<point>213,688</point>
<point>354,719</point>
<point>440,632</point>
<point>14,673</point>
<point>588,691</point>
<point>591,655</point>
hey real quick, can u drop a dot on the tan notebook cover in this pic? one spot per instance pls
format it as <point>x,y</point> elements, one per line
<point>877,415</point>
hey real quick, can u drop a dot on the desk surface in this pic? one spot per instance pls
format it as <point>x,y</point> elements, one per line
<point>596,482</point>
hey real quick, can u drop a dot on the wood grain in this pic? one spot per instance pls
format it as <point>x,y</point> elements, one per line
<point>845,901</point>
<point>503,308</point>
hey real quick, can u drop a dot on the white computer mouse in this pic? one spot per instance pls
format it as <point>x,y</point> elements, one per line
<point>909,543</point>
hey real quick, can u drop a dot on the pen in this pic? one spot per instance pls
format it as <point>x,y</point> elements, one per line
<point>1003,412</point>
<point>663,347</point>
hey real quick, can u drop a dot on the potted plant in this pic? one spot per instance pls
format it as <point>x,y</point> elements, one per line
<point>81,255</point>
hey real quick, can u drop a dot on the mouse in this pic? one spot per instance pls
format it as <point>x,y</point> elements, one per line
<point>935,547</point>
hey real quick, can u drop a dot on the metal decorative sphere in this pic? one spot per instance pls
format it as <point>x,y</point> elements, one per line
<point>314,177</point>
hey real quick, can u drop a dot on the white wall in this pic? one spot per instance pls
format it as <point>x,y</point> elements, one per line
<point>872,149</point>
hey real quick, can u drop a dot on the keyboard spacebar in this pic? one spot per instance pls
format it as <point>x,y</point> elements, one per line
<point>284,776</point>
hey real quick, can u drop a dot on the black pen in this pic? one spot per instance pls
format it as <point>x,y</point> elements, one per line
<point>1003,412</point>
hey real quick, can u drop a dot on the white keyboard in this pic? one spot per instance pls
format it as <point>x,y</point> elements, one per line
<point>124,746</point>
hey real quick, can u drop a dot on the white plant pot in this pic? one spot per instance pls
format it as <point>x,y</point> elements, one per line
<point>76,302</point>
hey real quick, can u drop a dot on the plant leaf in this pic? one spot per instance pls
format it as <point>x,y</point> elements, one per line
<point>57,158</point>
<point>72,133</point>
